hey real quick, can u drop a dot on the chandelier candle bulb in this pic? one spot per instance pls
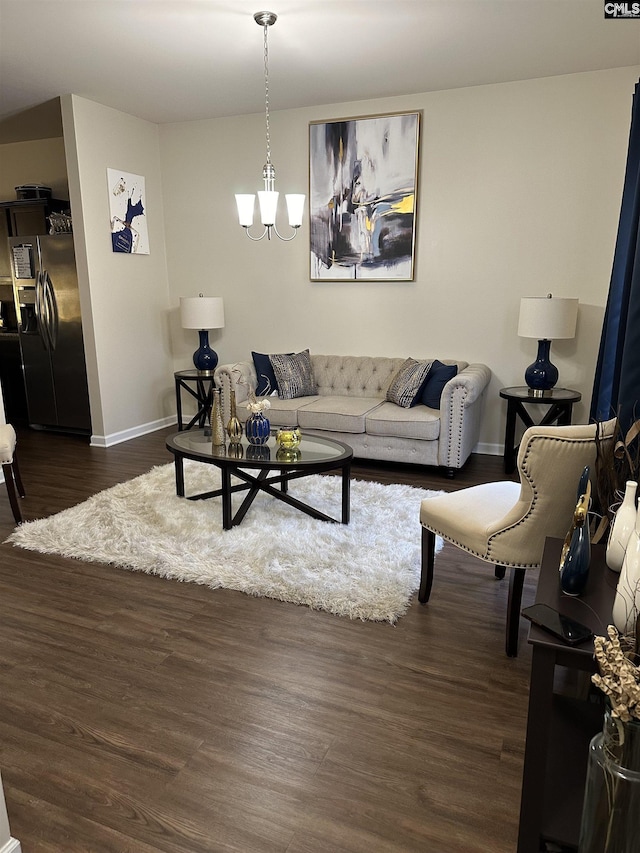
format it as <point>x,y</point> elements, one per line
<point>245,203</point>
<point>268,205</point>
<point>295,208</point>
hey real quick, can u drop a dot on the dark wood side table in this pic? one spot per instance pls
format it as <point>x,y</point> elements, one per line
<point>559,727</point>
<point>198,384</point>
<point>560,405</point>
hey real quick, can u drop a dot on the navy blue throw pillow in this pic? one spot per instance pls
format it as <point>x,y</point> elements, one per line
<point>267,383</point>
<point>438,377</point>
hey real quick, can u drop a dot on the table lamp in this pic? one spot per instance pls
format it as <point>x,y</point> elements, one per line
<point>546,318</point>
<point>203,313</point>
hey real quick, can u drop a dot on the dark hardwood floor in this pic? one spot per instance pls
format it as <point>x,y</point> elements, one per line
<point>139,714</point>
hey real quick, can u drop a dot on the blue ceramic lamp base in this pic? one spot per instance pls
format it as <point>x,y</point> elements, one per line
<point>205,358</point>
<point>541,375</point>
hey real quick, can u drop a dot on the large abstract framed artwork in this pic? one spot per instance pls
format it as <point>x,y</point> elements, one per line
<point>363,179</point>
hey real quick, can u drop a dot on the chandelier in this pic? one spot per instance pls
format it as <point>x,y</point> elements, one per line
<point>268,198</point>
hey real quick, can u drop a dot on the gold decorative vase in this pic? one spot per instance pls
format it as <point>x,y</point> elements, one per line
<point>288,439</point>
<point>217,428</point>
<point>234,427</point>
<point>235,451</point>
<point>283,454</point>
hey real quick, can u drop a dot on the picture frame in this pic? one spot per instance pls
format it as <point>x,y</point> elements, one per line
<point>363,184</point>
<point>128,213</point>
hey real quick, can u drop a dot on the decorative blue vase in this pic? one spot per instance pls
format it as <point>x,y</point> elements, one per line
<point>575,571</point>
<point>257,429</point>
<point>542,375</point>
<point>258,451</point>
<point>205,358</point>
<point>576,552</point>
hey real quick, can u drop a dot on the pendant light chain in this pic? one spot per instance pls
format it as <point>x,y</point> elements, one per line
<point>266,93</point>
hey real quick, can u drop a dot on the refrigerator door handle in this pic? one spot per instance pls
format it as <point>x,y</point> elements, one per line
<point>40,309</point>
<point>51,310</point>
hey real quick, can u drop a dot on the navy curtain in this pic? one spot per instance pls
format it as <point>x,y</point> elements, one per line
<point>616,389</point>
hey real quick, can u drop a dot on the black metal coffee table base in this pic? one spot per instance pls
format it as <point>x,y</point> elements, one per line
<point>317,455</point>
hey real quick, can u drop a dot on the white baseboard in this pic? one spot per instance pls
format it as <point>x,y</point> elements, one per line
<point>12,846</point>
<point>128,434</point>
<point>153,426</point>
<point>489,449</point>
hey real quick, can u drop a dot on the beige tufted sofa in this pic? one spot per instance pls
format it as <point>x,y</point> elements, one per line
<point>350,406</point>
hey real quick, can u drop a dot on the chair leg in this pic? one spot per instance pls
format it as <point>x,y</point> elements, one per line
<point>11,491</point>
<point>428,558</point>
<point>516,583</point>
<point>500,572</point>
<point>16,475</point>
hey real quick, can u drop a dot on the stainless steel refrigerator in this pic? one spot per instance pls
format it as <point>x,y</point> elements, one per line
<point>50,332</point>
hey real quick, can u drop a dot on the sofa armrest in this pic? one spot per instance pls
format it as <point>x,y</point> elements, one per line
<point>239,377</point>
<point>460,412</point>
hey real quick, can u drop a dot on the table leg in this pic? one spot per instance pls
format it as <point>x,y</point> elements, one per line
<point>179,466</point>
<point>565,418</point>
<point>227,520</point>
<point>346,493</point>
<point>510,438</point>
<point>204,402</point>
<point>179,403</point>
<point>536,746</point>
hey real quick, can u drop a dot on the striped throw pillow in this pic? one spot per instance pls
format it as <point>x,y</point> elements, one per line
<point>406,386</point>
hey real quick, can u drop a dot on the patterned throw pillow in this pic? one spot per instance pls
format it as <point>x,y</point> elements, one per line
<point>406,386</point>
<point>266,379</point>
<point>294,375</point>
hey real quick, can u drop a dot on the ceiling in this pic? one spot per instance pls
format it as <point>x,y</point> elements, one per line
<point>178,60</point>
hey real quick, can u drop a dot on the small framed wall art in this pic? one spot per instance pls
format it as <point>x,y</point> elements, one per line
<point>363,180</point>
<point>128,209</point>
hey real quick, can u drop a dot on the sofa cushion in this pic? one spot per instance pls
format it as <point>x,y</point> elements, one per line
<point>438,377</point>
<point>337,414</point>
<point>294,375</point>
<point>407,385</point>
<point>283,413</point>
<point>390,420</point>
<point>266,377</point>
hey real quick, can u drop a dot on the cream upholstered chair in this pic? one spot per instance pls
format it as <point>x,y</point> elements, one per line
<point>10,469</point>
<point>506,523</point>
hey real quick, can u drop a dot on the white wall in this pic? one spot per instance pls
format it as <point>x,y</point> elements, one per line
<point>37,161</point>
<point>520,188</point>
<point>124,298</point>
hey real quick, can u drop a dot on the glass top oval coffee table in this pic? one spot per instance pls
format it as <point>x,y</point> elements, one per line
<point>274,467</point>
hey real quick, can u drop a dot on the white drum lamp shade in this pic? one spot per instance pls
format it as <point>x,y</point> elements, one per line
<point>203,313</point>
<point>546,318</point>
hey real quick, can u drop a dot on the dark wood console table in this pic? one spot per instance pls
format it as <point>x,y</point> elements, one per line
<point>559,402</point>
<point>560,727</point>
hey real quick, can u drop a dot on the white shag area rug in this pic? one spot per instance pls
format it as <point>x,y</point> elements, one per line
<point>365,570</point>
